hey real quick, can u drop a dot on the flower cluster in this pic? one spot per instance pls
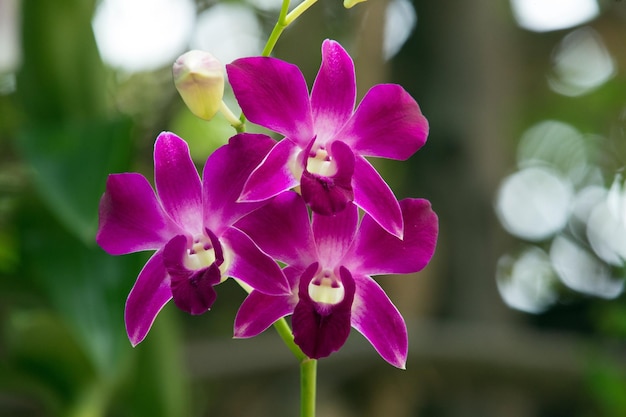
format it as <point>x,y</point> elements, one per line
<point>310,202</point>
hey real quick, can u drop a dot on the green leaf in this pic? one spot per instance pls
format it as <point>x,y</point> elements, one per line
<point>70,164</point>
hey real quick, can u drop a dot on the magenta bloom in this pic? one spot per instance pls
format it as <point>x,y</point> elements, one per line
<point>327,140</point>
<point>189,224</point>
<point>330,262</point>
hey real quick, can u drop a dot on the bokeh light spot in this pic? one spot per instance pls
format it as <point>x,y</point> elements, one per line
<point>527,282</point>
<point>228,31</point>
<point>547,15</point>
<point>142,35</point>
<point>400,21</point>
<point>581,271</point>
<point>581,63</point>
<point>534,203</point>
<point>606,227</point>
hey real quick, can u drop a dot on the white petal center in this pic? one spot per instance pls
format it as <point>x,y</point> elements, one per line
<point>320,163</point>
<point>325,288</point>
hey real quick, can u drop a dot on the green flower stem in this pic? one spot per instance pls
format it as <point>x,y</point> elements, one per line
<point>308,381</point>
<point>284,20</point>
<point>285,333</point>
<point>308,370</point>
<point>298,10</point>
<point>234,121</point>
<point>278,29</point>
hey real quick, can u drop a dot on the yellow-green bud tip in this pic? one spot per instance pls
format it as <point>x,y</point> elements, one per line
<point>350,3</point>
<point>199,78</point>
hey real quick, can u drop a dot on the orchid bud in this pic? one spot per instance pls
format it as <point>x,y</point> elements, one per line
<point>350,3</point>
<point>199,78</point>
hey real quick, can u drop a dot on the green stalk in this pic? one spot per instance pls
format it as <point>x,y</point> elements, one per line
<point>278,29</point>
<point>308,370</point>
<point>284,20</point>
<point>236,122</point>
<point>285,333</point>
<point>308,380</point>
<point>298,10</point>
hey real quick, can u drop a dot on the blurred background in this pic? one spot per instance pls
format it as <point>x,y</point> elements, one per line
<point>521,312</point>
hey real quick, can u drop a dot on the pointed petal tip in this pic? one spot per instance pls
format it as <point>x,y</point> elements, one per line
<point>135,337</point>
<point>397,230</point>
<point>134,343</point>
<point>399,361</point>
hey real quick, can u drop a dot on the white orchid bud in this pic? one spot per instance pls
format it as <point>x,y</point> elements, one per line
<point>199,78</point>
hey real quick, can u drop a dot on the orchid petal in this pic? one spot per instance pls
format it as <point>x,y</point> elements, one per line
<point>192,290</point>
<point>274,94</point>
<point>377,252</point>
<point>320,330</point>
<point>334,91</point>
<point>274,174</point>
<point>334,234</point>
<point>282,229</point>
<point>177,182</point>
<point>225,173</point>
<point>388,123</point>
<point>376,318</point>
<point>131,218</point>
<point>330,194</point>
<point>148,296</point>
<point>373,195</point>
<point>250,265</point>
<point>259,311</point>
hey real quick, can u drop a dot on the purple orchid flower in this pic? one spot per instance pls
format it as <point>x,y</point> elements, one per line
<point>327,139</point>
<point>189,224</point>
<point>330,262</point>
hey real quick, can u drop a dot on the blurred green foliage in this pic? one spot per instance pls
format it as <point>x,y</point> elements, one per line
<point>64,348</point>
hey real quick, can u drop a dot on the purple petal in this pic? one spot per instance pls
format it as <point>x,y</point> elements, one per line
<point>376,318</point>
<point>320,330</point>
<point>377,252</point>
<point>330,194</point>
<point>388,123</point>
<point>334,235</point>
<point>259,311</point>
<point>148,296</point>
<point>373,195</point>
<point>225,173</point>
<point>131,218</point>
<point>273,93</point>
<point>334,91</point>
<point>282,229</point>
<point>274,175</point>
<point>177,182</point>
<point>192,290</point>
<point>252,266</point>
